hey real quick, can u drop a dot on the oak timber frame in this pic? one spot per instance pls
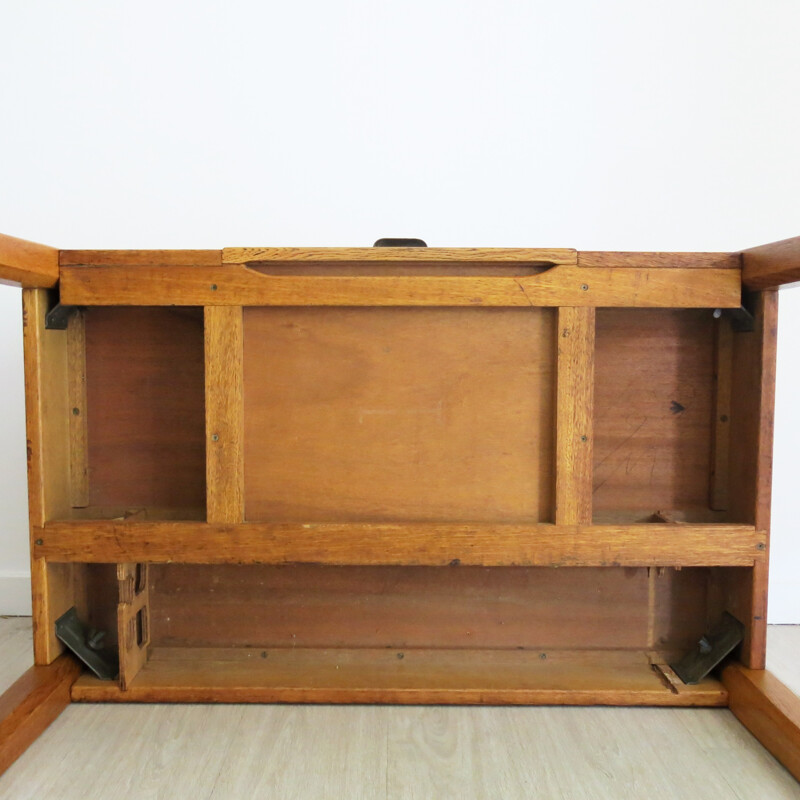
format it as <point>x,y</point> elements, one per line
<point>726,545</point>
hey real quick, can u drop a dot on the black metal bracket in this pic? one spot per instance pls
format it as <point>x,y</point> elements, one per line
<point>710,650</point>
<point>87,643</point>
<point>58,316</point>
<point>389,242</point>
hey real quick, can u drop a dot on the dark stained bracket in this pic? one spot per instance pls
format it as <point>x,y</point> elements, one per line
<point>710,651</point>
<point>87,644</point>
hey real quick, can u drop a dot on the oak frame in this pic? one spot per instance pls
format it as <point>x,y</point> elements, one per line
<point>223,281</point>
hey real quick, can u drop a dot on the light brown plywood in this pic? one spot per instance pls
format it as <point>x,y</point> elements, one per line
<point>653,410</point>
<point>385,415</point>
<point>144,375</point>
<point>383,676</point>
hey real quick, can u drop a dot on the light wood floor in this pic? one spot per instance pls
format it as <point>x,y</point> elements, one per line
<point>197,752</point>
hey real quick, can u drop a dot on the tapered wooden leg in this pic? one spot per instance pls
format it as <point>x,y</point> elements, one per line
<point>31,704</point>
<point>768,709</point>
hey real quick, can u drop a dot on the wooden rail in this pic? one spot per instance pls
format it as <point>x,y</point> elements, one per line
<point>238,285</point>
<point>643,545</point>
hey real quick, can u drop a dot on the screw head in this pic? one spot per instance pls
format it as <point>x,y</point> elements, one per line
<point>214,437</point>
<point>584,287</point>
<point>76,412</point>
<point>584,438</point>
<point>401,655</point>
<point>213,287</point>
<point>40,542</point>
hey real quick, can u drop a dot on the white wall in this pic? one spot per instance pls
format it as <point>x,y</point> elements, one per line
<point>617,125</point>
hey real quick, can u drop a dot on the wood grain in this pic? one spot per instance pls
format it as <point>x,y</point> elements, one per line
<point>771,265</point>
<point>142,258</point>
<point>412,543</point>
<point>752,431</point>
<point>655,260</point>
<point>575,338</point>
<point>483,677</point>
<point>78,424</point>
<point>31,704</point>
<point>224,414</point>
<point>517,255</point>
<point>26,263</point>
<point>237,285</point>
<point>145,387</point>
<point>399,415</point>
<point>133,621</point>
<point>55,587</point>
<point>719,495</point>
<point>426,607</point>
<point>653,410</point>
<point>768,709</point>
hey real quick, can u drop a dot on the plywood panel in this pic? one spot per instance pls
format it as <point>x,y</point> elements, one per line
<point>307,606</point>
<point>372,415</point>
<point>653,409</point>
<point>144,374</point>
<point>417,676</point>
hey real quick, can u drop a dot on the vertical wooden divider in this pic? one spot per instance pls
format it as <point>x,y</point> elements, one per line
<point>721,425</point>
<point>78,436</point>
<point>574,415</point>
<point>55,587</point>
<point>133,620</point>
<point>224,414</point>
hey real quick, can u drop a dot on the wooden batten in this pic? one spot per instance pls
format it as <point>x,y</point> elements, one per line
<point>28,264</point>
<point>753,402</point>
<point>365,675</point>
<point>235,284</point>
<point>771,265</point>
<point>55,587</point>
<point>721,426</point>
<point>574,415</point>
<point>430,544</point>
<point>419,255</point>
<point>224,414</point>
<point>655,260</point>
<point>78,437</point>
<point>133,620</point>
<point>140,258</point>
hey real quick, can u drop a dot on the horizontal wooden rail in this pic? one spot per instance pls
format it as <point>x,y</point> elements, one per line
<point>236,284</point>
<point>771,265</point>
<point>491,255</point>
<point>421,544</point>
<point>26,263</point>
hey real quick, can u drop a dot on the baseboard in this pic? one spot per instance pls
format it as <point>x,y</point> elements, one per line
<point>15,593</point>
